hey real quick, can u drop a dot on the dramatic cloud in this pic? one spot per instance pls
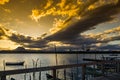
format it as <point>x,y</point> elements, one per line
<point>110,35</point>
<point>69,20</point>
<point>2,2</point>
<point>64,8</point>
<point>21,38</point>
<point>89,18</point>
<point>84,40</point>
<point>109,47</point>
<point>48,4</point>
<point>57,26</point>
<point>3,33</point>
<point>14,36</point>
<point>88,21</point>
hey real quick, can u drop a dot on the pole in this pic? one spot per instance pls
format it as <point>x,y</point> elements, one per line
<point>25,73</point>
<point>33,67</point>
<point>3,77</point>
<point>64,71</point>
<point>56,59</point>
<point>77,67</point>
<point>54,74</point>
<point>83,72</point>
<point>56,55</point>
<point>4,64</point>
<point>40,72</point>
<point>72,75</point>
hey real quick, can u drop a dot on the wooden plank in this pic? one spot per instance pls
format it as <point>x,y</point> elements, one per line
<point>114,76</point>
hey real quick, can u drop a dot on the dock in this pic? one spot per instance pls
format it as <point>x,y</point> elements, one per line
<point>54,69</point>
<point>114,76</point>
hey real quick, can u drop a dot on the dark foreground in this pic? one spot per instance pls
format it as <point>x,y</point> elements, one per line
<point>114,76</point>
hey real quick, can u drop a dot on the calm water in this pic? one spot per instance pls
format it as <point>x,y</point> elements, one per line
<point>45,59</point>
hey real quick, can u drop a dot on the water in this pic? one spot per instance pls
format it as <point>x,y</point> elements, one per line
<point>45,59</point>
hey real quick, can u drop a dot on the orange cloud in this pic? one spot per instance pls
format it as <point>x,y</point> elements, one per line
<point>57,25</point>
<point>48,4</point>
<point>64,8</point>
<point>2,2</point>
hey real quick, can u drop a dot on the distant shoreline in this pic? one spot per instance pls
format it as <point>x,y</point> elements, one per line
<point>58,52</point>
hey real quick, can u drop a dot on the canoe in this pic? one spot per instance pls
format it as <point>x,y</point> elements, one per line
<point>14,63</point>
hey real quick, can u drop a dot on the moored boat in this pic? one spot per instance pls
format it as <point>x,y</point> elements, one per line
<point>14,63</point>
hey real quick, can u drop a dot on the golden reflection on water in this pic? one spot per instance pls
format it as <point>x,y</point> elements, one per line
<point>45,59</point>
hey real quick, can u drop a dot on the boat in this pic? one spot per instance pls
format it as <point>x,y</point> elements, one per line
<point>14,63</point>
<point>111,57</point>
<point>50,77</point>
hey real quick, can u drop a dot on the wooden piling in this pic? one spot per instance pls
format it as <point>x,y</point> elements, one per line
<point>40,72</point>
<point>83,72</point>
<point>54,74</point>
<point>64,74</point>
<point>118,67</point>
<point>4,65</point>
<point>102,69</point>
<point>3,77</point>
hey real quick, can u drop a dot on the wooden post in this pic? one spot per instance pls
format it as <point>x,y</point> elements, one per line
<point>102,69</point>
<point>72,75</point>
<point>40,72</point>
<point>77,67</point>
<point>118,67</point>
<point>25,73</point>
<point>54,74</point>
<point>56,59</point>
<point>4,64</point>
<point>25,77</point>
<point>3,77</point>
<point>30,76</point>
<point>56,55</point>
<point>83,72</point>
<point>64,71</point>
<point>64,74</point>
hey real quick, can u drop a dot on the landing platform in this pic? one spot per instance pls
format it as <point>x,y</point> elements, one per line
<point>114,76</point>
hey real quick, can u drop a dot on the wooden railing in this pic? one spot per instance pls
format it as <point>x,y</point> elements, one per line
<point>3,74</point>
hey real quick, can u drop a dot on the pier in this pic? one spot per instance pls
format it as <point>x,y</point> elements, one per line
<point>3,74</point>
<point>114,76</point>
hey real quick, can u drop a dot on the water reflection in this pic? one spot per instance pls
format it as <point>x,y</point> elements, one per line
<point>45,60</point>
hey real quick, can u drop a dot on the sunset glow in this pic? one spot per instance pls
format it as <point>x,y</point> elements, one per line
<point>36,24</point>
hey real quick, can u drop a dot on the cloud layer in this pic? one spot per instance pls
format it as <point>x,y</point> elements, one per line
<point>2,2</point>
<point>88,21</point>
<point>75,17</point>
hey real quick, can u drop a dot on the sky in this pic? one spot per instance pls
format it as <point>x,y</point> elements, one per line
<point>66,24</point>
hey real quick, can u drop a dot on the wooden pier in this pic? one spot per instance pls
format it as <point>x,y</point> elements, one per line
<point>3,74</point>
<point>114,76</point>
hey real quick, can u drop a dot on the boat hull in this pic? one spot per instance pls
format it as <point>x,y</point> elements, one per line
<point>14,63</point>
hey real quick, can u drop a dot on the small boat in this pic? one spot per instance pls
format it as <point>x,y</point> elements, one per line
<point>111,57</point>
<point>50,77</point>
<point>14,63</point>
